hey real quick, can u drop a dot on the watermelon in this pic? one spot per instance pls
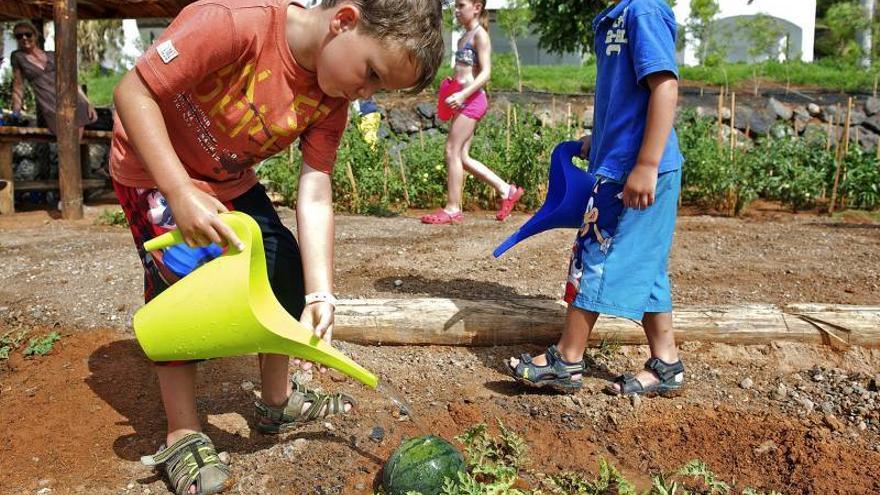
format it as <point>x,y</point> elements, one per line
<point>421,465</point>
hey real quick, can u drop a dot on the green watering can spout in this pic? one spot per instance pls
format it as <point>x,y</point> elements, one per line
<point>226,307</point>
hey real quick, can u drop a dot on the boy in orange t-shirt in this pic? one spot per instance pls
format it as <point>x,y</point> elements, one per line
<point>228,84</point>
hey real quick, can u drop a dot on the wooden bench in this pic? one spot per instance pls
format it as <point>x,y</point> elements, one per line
<point>9,135</point>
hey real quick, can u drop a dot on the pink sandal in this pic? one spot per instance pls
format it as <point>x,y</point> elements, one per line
<point>441,217</point>
<point>509,202</point>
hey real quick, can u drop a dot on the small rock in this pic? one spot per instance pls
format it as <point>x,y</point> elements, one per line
<point>43,482</point>
<point>827,407</point>
<point>635,400</point>
<point>44,491</point>
<point>147,491</point>
<point>818,377</point>
<point>377,434</point>
<point>568,402</point>
<point>814,109</point>
<point>863,426</point>
<point>129,486</point>
<point>329,426</point>
<point>288,451</point>
<point>872,105</point>
<point>806,403</point>
<point>247,386</point>
<point>398,283</point>
<point>779,393</point>
<point>766,447</point>
<point>746,384</point>
<point>833,423</point>
<point>360,487</point>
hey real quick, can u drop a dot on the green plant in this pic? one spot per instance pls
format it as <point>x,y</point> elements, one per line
<point>493,462</point>
<point>698,469</point>
<point>112,217</point>
<point>41,346</point>
<point>609,480</point>
<point>10,341</point>
<point>606,350</point>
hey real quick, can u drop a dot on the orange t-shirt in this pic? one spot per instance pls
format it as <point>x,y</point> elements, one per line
<point>231,95</point>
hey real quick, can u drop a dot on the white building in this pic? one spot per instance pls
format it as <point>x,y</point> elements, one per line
<point>797,19</point>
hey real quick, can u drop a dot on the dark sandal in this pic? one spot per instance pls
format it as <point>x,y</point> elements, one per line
<point>192,461</point>
<point>556,375</point>
<point>671,376</point>
<point>271,420</point>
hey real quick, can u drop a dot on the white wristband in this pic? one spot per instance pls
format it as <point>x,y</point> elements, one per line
<point>321,297</point>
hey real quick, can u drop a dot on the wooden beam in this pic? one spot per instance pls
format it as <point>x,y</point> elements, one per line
<point>69,171</point>
<point>7,196</point>
<point>437,321</point>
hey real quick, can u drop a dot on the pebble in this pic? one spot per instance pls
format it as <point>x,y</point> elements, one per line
<point>377,434</point>
<point>833,423</point>
<point>147,491</point>
<point>807,403</point>
<point>129,486</point>
<point>746,384</point>
<point>818,377</point>
<point>329,426</point>
<point>827,407</point>
<point>44,491</point>
<point>398,283</point>
<point>360,487</point>
<point>635,400</point>
<point>766,447</point>
<point>247,386</point>
<point>780,392</point>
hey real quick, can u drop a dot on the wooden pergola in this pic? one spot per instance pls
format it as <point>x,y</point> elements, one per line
<point>65,14</point>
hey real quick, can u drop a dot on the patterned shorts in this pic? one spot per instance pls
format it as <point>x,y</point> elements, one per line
<point>149,216</point>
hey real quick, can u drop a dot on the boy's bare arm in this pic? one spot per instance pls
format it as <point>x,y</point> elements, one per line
<point>642,182</point>
<point>195,211</point>
<point>315,230</point>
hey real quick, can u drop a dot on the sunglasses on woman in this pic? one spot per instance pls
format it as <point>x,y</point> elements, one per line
<point>20,36</point>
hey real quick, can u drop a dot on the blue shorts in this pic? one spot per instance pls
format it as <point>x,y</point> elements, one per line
<point>620,256</point>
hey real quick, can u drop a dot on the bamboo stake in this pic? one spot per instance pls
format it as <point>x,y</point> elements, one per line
<point>720,120</point>
<point>403,178</point>
<point>507,145</point>
<point>567,118</point>
<point>877,149</point>
<point>354,188</point>
<point>421,139</point>
<point>515,125</point>
<point>840,157</point>
<point>553,111</point>
<point>830,129</point>
<point>732,123</point>
<point>385,175</point>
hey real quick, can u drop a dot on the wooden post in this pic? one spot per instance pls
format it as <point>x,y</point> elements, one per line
<point>567,118</point>
<point>421,139</point>
<point>840,157</point>
<point>830,130</point>
<point>403,177</point>
<point>69,171</point>
<point>553,111</point>
<point>7,196</point>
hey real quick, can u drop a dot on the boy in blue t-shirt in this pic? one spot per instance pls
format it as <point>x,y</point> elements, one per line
<point>619,259</point>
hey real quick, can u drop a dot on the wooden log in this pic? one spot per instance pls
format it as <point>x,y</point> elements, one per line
<point>438,321</point>
<point>7,196</point>
<point>69,171</point>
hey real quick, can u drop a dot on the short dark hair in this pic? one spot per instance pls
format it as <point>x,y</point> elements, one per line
<point>415,25</point>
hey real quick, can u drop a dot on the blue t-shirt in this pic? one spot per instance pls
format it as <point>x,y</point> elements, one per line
<point>634,38</point>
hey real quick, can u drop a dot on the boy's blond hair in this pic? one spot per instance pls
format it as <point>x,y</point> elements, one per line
<point>414,25</point>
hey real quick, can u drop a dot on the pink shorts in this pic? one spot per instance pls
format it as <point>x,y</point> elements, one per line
<point>474,107</point>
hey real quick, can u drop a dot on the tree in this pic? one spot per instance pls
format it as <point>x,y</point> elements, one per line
<point>97,39</point>
<point>514,21</point>
<point>864,33</point>
<point>764,32</point>
<point>565,25</point>
<point>843,20</point>
<point>701,23</point>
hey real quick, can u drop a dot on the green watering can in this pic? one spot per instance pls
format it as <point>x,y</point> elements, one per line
<point>226,307</point>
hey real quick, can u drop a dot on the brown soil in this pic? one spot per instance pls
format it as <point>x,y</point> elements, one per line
<point>78,419</point>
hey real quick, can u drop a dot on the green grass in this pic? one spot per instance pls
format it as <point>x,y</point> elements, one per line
<point>582,78</point>
<point>100,86</point>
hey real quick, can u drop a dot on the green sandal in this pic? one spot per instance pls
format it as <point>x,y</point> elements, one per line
<point>557,374</point>
<point>271,420</point>
<point>192,461</point>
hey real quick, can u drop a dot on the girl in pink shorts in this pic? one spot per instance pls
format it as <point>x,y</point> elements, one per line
<point>462,99</point>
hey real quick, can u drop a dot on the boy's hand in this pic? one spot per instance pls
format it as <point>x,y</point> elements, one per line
<point>586,141</point>
<point>196,215</point>
<point>317,317</point>
<point>638,192</point>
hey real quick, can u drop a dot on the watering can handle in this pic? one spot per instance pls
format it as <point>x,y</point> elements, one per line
<point>165,240</point>
<point>169,239</point>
